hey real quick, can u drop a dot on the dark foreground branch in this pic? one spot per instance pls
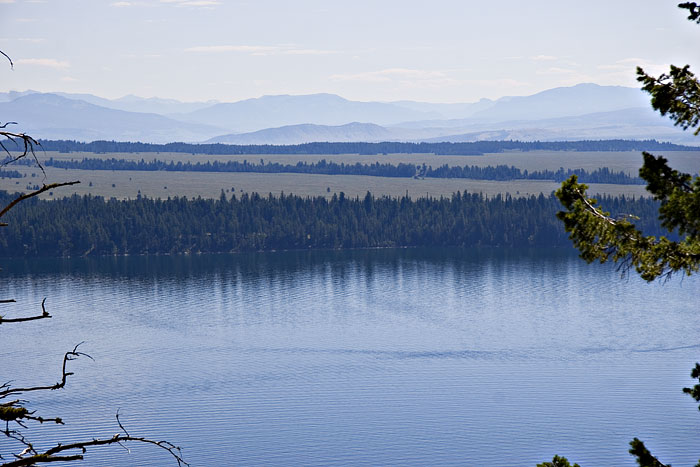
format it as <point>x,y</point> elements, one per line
<point>44,314</point>
<point>12,65</point>
<point>13,411</point>
<point>5,390</point>
<point>51,455</point>
<point>23,141</point>
<point>41,190</point>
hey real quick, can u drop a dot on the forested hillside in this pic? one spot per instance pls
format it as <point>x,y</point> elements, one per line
<point>94,226</point>
<point>324,167</point>
<point>473,148</point>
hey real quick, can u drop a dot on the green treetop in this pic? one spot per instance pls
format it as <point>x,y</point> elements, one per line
<point>600,236</point>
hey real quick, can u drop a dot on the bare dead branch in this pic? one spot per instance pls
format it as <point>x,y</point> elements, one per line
<point>50,454</point>
<point>28,144</point>
<point>36,459</point>
<point>41,190</point>
<point>120,424</point>
<point>44,314</point>
<point>12,65</point>
<point>14,410</point>
<point>17,436</point>
<point>33,457</point>
<point>67,357</point>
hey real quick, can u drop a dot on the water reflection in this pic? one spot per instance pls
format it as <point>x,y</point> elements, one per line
<point>409,356</point>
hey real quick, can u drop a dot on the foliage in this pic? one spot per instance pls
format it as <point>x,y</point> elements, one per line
<point>500,172</point>
<point>10,174</point>
<point>599,236</point>
<point>676,94</point>
<point>473,148</point>
<point>92,225</point>
<point>558,462</point>
<point>644,457</point>
<point>693,11</point>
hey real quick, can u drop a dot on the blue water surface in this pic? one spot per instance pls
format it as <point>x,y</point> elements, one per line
<point>375,357</point>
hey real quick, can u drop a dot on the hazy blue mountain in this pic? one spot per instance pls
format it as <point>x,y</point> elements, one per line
<point>128,103</point>
<point>631,123</point>
<point>350,132</point>
<point>12,95</point>
<point>635,123</point>
<point>156,105</point>
<point>133,103</point>
<point>582,99</point>
<point>308,132</point>
<point>321,109</point>
<point>328,109</point>
<point>447,111</point>
<point>51,116</point>
<point>564,102</point>
<point>585,111</point>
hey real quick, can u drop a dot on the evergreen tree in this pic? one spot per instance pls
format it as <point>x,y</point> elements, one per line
<point>599,236</point>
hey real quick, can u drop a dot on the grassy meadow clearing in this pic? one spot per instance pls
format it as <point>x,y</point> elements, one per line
<point>128,184</point>
<point>628,161</point>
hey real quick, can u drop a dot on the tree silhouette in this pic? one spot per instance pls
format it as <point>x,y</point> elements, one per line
<point>600,236</point>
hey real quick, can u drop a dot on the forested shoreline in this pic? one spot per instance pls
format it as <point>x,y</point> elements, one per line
<point>442,148</point>
<point>376,169</point>
<point>92,225</point>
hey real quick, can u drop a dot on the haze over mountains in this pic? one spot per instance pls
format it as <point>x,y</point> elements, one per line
<point>584,111</point>
<point>51,116</point>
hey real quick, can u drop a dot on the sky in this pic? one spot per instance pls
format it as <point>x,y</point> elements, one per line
<point>368,50</point>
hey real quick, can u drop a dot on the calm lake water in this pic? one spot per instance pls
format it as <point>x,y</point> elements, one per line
<point>379,357</point>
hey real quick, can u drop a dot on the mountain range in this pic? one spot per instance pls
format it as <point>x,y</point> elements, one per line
<point>584,111</point>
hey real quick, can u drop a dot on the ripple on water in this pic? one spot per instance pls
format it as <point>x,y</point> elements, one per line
<point>411,357</point>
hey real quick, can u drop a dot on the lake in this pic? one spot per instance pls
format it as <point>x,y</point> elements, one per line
<point>371,357</point>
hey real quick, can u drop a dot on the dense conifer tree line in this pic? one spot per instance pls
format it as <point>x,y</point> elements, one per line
<point>500,172</point>
<point>505,173</point>
<point>4,173</point>
<point>92,225</point>
<point>444,148</point>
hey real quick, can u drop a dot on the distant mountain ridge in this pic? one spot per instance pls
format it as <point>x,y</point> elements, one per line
<point>320,109</point>
<point>52,116</point>
<point>580,99</point>
<point>128,103</point>
<point>584,111</point>
<point>307,132</point>
<point>636,123</point>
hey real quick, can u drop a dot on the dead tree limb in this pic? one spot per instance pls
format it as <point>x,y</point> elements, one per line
<point>67,357</point>
<point>12,65</point>
<point>50,454</point>
<point>41,190</point>
<point>26,146</point>
<point>44,314</point>
<point>14,411</point>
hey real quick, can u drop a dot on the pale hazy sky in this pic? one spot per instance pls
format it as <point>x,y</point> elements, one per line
<point>437,50</point>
